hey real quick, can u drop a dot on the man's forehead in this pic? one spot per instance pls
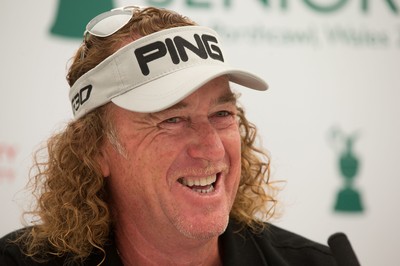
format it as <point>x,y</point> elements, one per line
<point>225,97</point>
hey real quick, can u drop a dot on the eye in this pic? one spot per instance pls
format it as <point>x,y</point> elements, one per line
<point>222,119</point>
<point>222,113</point>
<point>173,120</point>
<point>173,123</point>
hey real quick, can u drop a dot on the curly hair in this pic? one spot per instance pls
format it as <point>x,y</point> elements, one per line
<point>72,212</point>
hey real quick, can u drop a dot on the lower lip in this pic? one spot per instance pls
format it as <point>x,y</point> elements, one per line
<point>203,189</point>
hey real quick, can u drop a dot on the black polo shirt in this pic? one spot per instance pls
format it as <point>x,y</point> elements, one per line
<point>273,247</point>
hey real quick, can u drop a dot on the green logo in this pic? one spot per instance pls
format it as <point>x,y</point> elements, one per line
<point>348,199</point>
<point>73,15</point>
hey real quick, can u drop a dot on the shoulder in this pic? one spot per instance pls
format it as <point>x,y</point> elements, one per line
<point>294,248</point>
<point>10,251</point>
<point>12,254</point>
<point>277,246</point>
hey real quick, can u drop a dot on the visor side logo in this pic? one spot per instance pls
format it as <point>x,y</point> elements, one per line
<point>81,97</point>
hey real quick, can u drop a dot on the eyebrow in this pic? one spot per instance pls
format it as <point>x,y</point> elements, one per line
<point>228,97</point>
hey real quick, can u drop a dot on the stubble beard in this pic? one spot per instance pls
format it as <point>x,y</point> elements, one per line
<point>214,227</point>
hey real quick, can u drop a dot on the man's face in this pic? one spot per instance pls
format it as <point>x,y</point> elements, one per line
<point>179,169</point>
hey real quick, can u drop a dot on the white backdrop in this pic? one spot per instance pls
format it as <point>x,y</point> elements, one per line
<point>338,69</point>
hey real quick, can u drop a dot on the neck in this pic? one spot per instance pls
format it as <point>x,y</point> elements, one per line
<point>137,248</point>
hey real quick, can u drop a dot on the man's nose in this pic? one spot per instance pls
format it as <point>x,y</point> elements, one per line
<point>206,143</point>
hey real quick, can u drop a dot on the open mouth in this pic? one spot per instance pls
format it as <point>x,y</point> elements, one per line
<point>200,184</point>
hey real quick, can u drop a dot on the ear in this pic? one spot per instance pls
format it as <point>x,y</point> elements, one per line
<point>102,160</point>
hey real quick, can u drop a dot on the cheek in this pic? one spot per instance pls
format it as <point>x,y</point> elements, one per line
<point>159,156</point>
<point>232,143</point>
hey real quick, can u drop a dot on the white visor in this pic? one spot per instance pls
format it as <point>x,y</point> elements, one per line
<point>157,71</point>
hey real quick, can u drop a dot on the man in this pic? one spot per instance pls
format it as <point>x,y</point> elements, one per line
<point>158,166</point>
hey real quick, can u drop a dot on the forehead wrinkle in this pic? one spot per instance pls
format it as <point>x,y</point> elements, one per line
<point>178,106</point>
<point>228,97</point>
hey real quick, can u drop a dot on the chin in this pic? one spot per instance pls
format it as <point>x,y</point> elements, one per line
<point>203,229</point>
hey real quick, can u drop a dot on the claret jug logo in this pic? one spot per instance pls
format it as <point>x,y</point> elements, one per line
<point>348,198</point>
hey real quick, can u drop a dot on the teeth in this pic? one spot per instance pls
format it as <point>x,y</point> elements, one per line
<point>202,181</point>
<point>210,189</point>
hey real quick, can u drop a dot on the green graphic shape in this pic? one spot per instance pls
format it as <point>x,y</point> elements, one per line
<point>73,15</point>
<point>325,8</point>
<point>348,199</point>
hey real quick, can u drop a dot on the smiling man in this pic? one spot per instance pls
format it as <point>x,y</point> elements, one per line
<point>158,166</point>
<point>187,193</point>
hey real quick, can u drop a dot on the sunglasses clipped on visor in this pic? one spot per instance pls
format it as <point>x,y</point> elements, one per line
<point>110,22</point>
